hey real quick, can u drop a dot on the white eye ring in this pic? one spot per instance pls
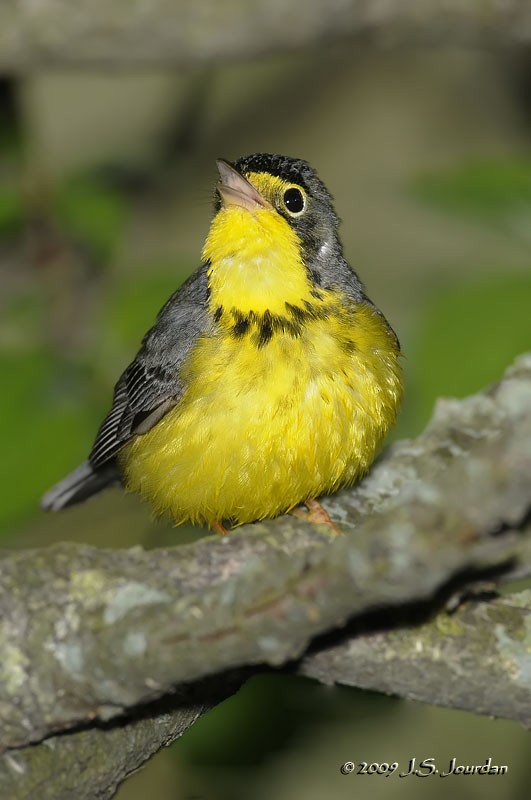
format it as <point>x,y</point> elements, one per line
<point>294,201</point>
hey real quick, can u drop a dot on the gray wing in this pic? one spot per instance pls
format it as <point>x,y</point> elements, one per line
<point>149,387</point>
<point>152,383</point>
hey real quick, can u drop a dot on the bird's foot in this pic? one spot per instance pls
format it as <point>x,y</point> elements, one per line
<point>219,528</point>
<point>316,514</point>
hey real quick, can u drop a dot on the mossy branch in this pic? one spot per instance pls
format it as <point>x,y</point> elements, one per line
<point>477,658</point>
<point>124,33</point>
<point>89,638</point>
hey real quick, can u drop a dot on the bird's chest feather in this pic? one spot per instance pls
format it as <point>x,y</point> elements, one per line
<point>275,410</point>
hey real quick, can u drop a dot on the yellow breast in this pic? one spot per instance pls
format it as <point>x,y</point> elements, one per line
<point>260,430</point>
<point>287,399</point>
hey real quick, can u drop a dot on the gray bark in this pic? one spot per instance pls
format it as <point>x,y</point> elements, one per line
<point>125,33</point>
<point>91,636</point>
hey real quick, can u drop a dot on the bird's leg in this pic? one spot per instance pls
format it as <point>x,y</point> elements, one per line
<point>219,528</point>
<point>319,515</point>
<point>316,514</point>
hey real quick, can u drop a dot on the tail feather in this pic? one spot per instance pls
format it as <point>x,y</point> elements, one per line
<point>82,483</point>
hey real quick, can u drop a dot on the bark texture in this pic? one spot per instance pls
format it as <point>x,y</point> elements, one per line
<point>127,33</point>
<point>131,646</point>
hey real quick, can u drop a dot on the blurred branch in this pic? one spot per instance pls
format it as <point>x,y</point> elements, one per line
<point>162,32</point>
<point>90,764</point>
<point>430,662</point>
<point>475,659</point>
<point>88,635</point>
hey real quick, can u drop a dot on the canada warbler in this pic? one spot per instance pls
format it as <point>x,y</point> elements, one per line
<point>269,378</point>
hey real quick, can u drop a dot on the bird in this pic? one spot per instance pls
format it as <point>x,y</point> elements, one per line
<point>269,378</point>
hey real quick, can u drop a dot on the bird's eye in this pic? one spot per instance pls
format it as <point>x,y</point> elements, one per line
<point>294,201</point>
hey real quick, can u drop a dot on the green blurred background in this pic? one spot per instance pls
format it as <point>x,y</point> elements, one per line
<point>105,198</point>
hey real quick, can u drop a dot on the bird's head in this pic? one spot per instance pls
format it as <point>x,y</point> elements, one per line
<point>275,234</point>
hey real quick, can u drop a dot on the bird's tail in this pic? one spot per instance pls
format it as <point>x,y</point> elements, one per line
<point>82,483</point>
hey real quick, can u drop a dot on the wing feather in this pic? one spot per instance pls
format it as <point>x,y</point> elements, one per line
<point>152,383</point>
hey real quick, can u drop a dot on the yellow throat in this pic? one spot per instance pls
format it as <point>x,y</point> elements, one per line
<point>288,398</point>
<point>255,258</point>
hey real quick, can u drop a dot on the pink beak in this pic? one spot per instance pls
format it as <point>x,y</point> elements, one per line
<point>235,190</point>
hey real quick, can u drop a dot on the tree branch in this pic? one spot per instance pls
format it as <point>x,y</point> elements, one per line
<point>129,33</point>
<point>476,659</point>
<point>90,764</point>
<point>88,635</point>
